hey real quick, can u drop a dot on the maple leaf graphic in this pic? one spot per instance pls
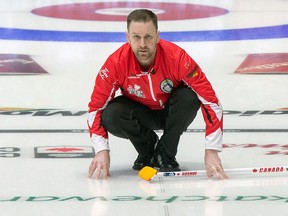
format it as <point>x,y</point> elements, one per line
<point>65,149</point>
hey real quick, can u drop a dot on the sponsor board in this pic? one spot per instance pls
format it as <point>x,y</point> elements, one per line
<point>40,112</point>
<point>64,152</point>
<point>230,130</point>
<point>88,151</point>
<point>271,149</point>
<point>9,111</point>
<point>10,152</point>
<point>15,64</point>
<point>52,152</point>
<point>265,63</point>
<point>160,199</point>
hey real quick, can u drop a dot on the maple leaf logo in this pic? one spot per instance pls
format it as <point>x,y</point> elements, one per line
<point>254,170</point>
<point>65,149</point>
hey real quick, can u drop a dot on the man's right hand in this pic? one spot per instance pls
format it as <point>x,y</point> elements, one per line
<point>100,165</point>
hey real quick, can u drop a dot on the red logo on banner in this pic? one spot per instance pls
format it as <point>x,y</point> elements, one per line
<point>14,64</point>
<point>64,152</point>
<point>266,63</point>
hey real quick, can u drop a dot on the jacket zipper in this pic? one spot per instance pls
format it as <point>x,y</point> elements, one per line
<point>152,91</point>
<point>151,87</point>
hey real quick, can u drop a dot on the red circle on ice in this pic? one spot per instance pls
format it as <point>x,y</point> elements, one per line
<point>118,11</point>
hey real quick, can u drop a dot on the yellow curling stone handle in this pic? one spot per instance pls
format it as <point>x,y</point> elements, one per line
<point>147,173</point>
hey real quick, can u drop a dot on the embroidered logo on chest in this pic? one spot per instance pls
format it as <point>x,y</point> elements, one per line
<point>167,86</point>
<point>136,90</point>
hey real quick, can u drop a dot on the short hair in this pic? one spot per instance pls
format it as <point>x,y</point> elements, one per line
<point>142,15</point>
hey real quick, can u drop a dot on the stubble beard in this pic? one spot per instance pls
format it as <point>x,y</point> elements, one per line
<point>144,58</point>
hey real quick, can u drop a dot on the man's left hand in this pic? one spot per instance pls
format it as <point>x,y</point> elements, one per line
<point>213,165</point>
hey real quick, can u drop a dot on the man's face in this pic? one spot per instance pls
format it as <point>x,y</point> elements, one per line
<point>143,39</point>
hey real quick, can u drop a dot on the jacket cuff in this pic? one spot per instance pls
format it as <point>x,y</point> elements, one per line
<point>214,140</point>
<point>99,143</point>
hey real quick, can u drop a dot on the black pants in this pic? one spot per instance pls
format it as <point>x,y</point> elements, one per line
<point>129,119</point>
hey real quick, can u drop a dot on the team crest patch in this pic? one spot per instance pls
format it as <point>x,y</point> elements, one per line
<point>167,86</point>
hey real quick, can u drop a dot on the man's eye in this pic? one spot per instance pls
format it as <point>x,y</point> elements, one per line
<point>136,37</point>
<point>148,37</point>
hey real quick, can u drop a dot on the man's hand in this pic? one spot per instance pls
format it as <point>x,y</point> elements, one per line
<point>100,165</point>
<point>213,165</point>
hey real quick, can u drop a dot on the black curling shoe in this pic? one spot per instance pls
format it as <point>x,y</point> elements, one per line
<point>165,162</point>
<point>146,160</point>
<point>141,162</point>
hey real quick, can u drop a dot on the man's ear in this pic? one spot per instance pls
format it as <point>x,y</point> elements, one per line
<point>158,36</point>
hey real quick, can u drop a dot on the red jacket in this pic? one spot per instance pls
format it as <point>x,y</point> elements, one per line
<point>172,67</point>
